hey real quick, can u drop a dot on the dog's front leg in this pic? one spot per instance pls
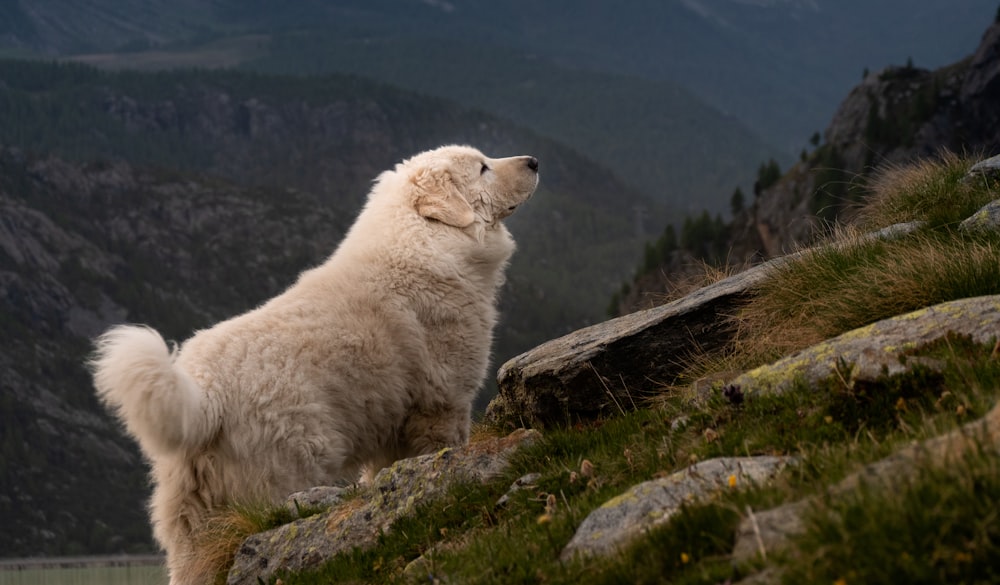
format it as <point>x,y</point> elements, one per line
<point>431,429</point>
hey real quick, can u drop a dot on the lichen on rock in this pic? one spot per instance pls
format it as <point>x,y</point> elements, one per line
<point>876,349</point>
<point>649,504</point>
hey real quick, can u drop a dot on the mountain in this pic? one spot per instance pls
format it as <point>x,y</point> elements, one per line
<point>896,115</point>
<point>658,137</point>
<point>779,66</point>
<point>179,199</point>
<point>633,124</point>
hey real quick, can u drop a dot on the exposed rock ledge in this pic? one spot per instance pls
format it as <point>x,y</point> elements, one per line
<point>357,522</point>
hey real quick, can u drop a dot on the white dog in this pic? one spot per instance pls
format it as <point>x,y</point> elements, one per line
<point>375,355</point>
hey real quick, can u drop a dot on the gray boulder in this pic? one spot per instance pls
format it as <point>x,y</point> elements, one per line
<point>357,522</point>
<point>989,168</point>
<point>608,367</point>
<point>880,347</point>
<point>628,516</point>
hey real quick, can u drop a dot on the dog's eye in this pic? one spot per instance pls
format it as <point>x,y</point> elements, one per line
<point>483,169</point>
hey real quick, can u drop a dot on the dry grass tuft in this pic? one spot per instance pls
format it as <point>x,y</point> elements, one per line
<point>932,190</point>
<point>840,288</point>
<point>219,537</point>
<point>217,540</point>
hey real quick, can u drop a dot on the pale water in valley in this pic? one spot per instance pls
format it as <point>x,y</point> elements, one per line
<point>84,571</point>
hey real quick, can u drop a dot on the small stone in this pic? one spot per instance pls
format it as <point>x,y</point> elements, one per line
<point>986,219</point>
<point>629,515</point>
<point>524,482</point>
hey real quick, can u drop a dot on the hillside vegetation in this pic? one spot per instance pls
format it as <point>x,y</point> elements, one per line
<point>937,525</point>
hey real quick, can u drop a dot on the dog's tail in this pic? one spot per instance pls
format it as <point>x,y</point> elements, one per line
<point>160,404</point>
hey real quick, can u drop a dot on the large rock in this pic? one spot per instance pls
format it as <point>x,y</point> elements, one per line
<point>880,347</point>
<point>357,522</point>
<point>628,516</point>
<point>608,367</point>
<point>986,169</point>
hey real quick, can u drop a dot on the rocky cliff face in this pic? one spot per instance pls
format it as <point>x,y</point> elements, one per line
<point>894,116</point>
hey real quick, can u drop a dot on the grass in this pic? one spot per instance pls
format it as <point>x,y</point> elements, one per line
<point>218,539</point>
<point>938,524</point>
<point>942,526</point>
<point>934,190</point>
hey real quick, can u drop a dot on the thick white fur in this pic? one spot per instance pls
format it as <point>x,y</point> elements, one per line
<point>375,355</point>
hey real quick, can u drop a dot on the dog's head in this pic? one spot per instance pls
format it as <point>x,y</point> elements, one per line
<point>461,187</point>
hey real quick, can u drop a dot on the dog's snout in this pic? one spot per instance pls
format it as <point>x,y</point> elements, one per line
<point>532,163</point>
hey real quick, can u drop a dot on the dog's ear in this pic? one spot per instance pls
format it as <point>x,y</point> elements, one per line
<point>436,196</point>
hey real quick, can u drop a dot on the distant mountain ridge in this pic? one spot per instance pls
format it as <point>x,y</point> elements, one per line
<point>655,135</point>
<point>779,66</point>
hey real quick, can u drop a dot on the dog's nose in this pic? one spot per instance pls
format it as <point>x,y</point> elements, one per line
<point>533,163</point>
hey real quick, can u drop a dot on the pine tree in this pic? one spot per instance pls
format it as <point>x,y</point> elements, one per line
<point>736,202</point>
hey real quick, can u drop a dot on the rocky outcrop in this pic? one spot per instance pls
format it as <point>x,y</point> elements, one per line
<point>893,116</point>
<point>358,521</point>
<point>609,367</point>
<point>905,112</point>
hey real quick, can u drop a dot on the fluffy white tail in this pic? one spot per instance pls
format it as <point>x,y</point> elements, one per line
<point>161,406</point>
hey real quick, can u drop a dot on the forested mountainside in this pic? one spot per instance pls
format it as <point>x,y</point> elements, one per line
<point>895,115</point>
<point>180,199</point>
